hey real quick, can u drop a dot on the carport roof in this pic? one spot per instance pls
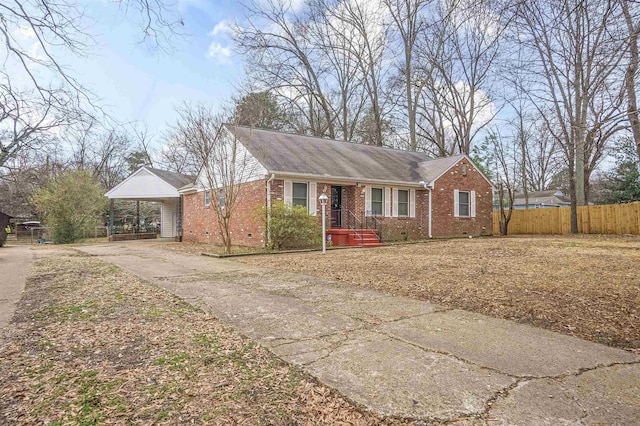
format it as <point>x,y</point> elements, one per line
<point>151,184</point>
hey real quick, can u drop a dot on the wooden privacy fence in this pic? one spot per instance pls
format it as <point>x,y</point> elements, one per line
<point>605,219</point>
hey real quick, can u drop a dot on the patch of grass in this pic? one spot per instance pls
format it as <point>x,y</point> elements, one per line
<point>206,341</point>
<point>174,362</point>
<point>72,312</point>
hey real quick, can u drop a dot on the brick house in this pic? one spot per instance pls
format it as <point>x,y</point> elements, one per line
<point>374,193</point>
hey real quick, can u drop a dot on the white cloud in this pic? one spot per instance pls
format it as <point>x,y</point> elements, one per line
<point>289,5</point>
<point>26,32</point>
<point>222,54</point>
<point>222,27</point>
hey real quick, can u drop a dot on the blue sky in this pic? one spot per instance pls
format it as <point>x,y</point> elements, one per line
<point>139,84</point>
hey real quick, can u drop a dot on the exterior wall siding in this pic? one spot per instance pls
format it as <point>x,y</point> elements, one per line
<point>168,218</point>
<point>247,229</point>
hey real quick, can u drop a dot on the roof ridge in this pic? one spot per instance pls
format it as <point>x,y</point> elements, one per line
<point>167,171</point>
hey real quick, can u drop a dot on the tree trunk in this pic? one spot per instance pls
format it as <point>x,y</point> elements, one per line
<point>523,166</point>
<point>630,76</point>
<point>574,204</point>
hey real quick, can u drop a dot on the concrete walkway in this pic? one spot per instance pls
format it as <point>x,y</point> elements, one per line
<point>15,263</point>
<point>398,356</point>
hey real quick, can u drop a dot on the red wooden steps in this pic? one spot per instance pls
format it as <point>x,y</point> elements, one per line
<point>354,237</point>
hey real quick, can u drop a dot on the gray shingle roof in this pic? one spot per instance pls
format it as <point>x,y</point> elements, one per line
<point>176,180</point>
<point>295,154</point>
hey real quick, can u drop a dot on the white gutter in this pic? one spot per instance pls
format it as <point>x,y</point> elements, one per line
<point>273,176</point>
<point>344,180</point>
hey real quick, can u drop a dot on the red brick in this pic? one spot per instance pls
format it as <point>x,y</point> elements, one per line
<point>246,227</point>
<point>200,224</point>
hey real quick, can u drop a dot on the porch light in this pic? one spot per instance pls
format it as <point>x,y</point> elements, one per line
<point>323,202</point>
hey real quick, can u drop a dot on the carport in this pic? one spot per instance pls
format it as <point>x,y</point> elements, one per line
<point>149,184</point>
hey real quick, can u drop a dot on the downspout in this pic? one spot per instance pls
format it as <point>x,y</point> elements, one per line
<point>273,176</point>
<point>429,187</point>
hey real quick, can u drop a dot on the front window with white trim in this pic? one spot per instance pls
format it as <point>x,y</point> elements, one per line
<point>377,201</point>
<point>207,200</point>
<point>403,202</point>
<point>299,196</point>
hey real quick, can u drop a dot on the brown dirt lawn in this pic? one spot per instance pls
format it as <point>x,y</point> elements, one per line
<point>91,344</point>
<point>586,286</point>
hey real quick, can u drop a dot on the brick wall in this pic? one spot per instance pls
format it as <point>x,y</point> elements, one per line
<point>200,224</point>
<point>247,229</point>
<point>444,222</point>
<point>409,228</point>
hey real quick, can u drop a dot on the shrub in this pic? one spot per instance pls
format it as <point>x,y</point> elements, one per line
<point>69,203</point>
<point>292,227</point>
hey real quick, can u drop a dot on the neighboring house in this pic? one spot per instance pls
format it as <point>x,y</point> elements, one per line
<point>400,195</point>
<point>541,199</point>
<point>149,184</point>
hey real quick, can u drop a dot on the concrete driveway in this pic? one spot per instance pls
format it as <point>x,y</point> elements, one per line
<point>15,263</point>
<point>399,356</point>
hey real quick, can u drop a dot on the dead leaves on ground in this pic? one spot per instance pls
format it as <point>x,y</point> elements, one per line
<point>91,344</point>
<point>585,286</point>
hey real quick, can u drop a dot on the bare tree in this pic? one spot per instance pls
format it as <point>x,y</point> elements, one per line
<point>631,13</point>
<point>24,173</point>
<point>34,36</point>
<point>281,56</point>
<point>366,30</point>
<point>543,155</point>
<point>576,50</point>
<point>459,51</point>
<point>342,74</point>
<point>103,152</point>
<point>27,120</point>
<point>506,170</point>
<point>225,164</point>
<point>409,23</point>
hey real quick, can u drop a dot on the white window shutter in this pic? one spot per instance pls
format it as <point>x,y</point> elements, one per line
<point>288,193</point>
<point>456,205</point>
<point>394,210</point>
<point>312,197</point>
<point>412,203</point>
<point>367,201</point>
<point>472,211</point>
<point>387,202</point>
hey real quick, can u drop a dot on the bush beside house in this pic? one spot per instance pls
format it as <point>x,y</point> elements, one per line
<point>292,227</point>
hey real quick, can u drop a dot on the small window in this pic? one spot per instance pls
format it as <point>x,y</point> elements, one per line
<point>221,198</point>
<point>207,200</point>
<point>299,194</point>
<point>377,201</point>
<point>403,202</point>
<point>463,204</point>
